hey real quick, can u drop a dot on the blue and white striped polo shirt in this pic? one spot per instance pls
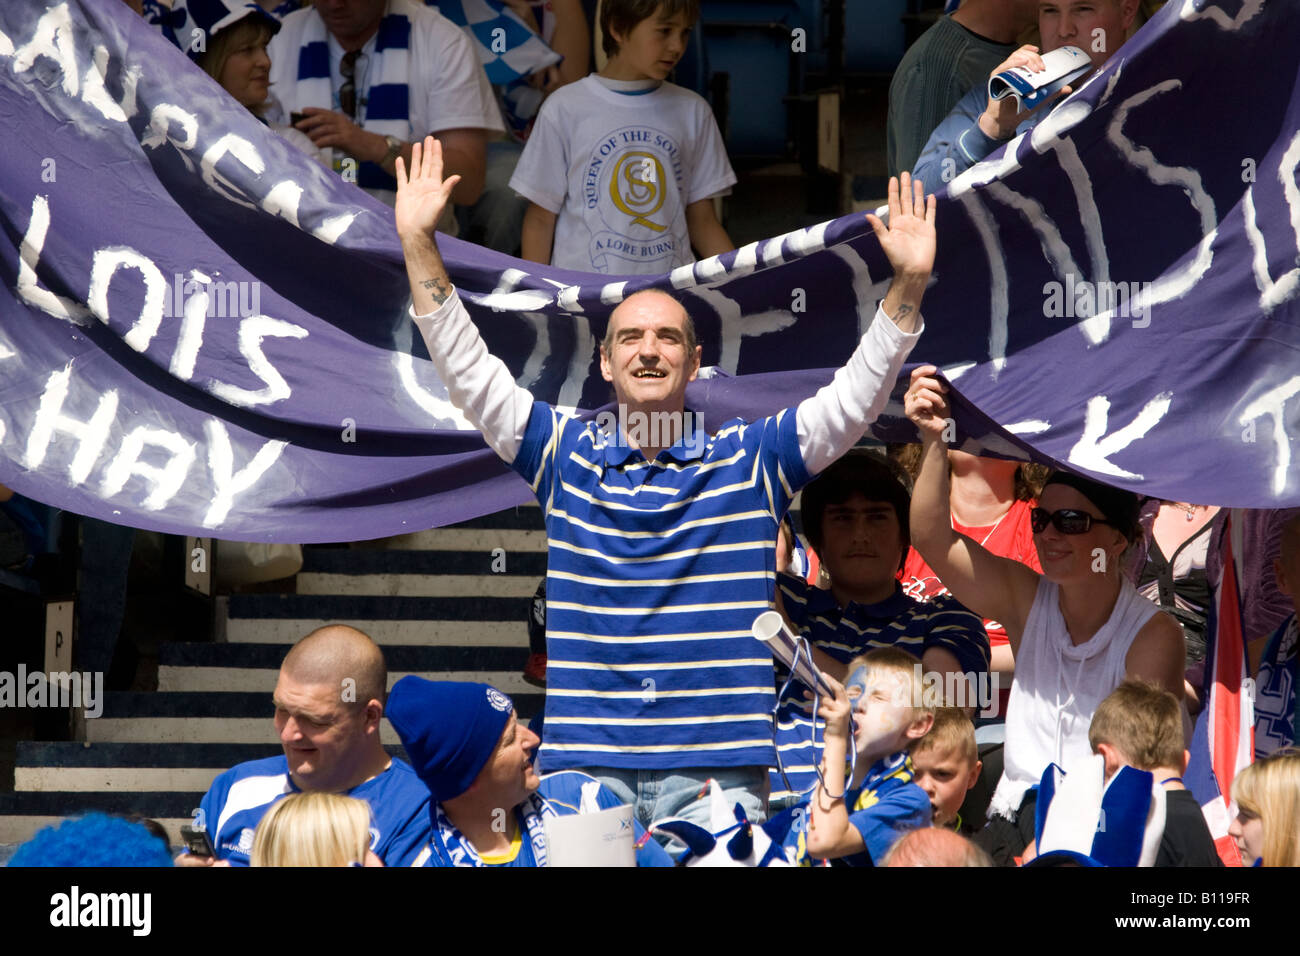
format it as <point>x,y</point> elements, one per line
<point>656,573</point>
<point>844,633</point>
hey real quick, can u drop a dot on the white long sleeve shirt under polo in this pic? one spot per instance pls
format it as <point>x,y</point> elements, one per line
<point>657,569</point>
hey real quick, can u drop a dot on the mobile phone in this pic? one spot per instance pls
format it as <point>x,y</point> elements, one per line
<point>295,118</point>
<point>196,841</point>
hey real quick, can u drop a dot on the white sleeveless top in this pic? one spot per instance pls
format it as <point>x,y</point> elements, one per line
<point>1058,686</point>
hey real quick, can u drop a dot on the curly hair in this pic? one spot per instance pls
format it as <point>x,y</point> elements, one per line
<point>96,839</point>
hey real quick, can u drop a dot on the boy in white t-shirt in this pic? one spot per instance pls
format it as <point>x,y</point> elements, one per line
<point>621,168</point>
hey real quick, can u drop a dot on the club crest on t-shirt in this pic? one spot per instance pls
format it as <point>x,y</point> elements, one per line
<point>631,183</point>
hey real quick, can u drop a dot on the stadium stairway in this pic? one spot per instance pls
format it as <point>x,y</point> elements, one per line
<point>448,603</point>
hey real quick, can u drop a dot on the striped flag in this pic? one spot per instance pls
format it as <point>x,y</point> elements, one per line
<point>1225,732</point>
<point>507,49</point>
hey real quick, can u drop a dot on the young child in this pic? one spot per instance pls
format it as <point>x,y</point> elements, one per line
<point>621,168</point>
<point>855,514</point>
<point>947,765</point>
<point>855,821</point>
<point>1141,725</point>
<point>1267,794</point>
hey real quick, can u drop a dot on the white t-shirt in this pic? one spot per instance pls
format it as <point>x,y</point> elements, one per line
<point>618,170</point>
<point>447,87</point>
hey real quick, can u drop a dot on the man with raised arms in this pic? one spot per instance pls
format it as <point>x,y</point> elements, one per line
<point>660,545</point>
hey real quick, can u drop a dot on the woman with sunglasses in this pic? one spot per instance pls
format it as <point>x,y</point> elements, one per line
<point>1077,630</point>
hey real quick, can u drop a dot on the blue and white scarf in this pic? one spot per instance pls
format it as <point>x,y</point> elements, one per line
<point>386,107</point>
<point>453,849</point>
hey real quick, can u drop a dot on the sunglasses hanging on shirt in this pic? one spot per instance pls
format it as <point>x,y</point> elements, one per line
<point>348,91</point>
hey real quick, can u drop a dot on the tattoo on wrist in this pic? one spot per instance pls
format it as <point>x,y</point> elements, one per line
<point>903,312</point>
<point>439,289</point>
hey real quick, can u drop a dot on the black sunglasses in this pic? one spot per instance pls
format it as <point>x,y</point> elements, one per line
<point>348,91</point>
<point>1067,520</point>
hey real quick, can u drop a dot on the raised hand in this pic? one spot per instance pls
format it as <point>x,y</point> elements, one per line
<point>422,197</point>
<point>909,239</point>
<point>925,403</point>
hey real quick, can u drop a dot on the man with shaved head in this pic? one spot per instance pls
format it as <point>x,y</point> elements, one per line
<point>935,846</point>
<point>329,700</point>
<point>661,535</point>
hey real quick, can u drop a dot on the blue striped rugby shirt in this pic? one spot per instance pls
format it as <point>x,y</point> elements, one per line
<point>657,571</point>
<point>844,633</point>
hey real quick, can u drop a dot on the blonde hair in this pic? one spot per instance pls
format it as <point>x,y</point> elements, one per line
<point>251,29</point>
<point>952,731</point>
<point>891,660</point>
<point>313,829</point>
<point>1143,721</point>
<point>1270,789</point>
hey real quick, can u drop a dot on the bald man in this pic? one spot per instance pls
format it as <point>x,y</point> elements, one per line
<point>328,701</point>
<point>659,535</point>
<point>935,846</point>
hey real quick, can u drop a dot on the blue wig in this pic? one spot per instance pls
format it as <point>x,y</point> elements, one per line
<point>93,840</point>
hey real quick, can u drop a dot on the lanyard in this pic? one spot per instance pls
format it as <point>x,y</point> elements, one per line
<point>803,648</point>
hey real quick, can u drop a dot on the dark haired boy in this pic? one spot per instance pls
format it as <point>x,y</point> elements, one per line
<point>621,168</point>
<point>855,515</point>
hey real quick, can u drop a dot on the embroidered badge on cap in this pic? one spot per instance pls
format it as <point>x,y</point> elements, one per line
<point>497,699</point>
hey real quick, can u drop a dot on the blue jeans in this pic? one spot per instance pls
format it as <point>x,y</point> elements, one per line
<point>659,794</point>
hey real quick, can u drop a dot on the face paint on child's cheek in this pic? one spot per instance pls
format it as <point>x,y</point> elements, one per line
<point>856,684</point>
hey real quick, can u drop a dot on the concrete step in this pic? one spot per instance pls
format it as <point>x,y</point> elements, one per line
<point>419,585</point>
<point>23,813</point>
<point>353,572</point>
<point>158,705</point>
<point>444,621</point>
<point>218,679</point>
<point>173,804</point>
<point>336,608</point>
<point>480,634</point>
<point>79,754</point>
<point>399,657</point>
<point>481,540</point>
<point>88,768</point>
<point>253,668</point>
<point>212,718</point>
<point>516,529</point>
<point>473,564</point>
<point>17,828</point>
